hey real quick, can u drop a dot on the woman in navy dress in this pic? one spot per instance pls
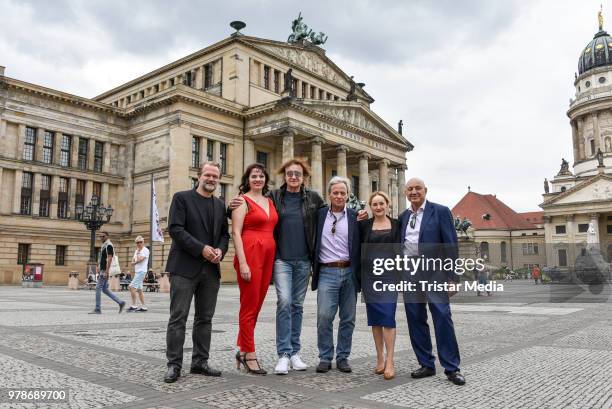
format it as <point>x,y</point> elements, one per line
<point>381,232</point>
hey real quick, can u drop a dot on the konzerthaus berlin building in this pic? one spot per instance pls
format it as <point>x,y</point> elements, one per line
<point>223,103</point>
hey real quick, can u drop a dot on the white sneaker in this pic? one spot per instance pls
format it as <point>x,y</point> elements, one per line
<point>297,363</point>
<point>282,366</point>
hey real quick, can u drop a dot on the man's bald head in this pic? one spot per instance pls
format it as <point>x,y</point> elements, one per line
<point>415,192</point>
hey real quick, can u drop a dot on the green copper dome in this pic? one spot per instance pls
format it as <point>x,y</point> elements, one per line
<point>597,53</point>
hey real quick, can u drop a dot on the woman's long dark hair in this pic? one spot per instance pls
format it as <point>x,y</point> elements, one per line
<point>244,182</point>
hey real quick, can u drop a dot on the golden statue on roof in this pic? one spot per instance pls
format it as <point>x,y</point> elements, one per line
<point>600,17</point>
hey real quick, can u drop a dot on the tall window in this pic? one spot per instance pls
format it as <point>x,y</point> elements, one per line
<point>210,146</point>
<point>592,143</point>
<point>188,79</point>
<point>276,81</point>
<point>321,94</point>
<point>560,229</point>
<point>562,253</point>
<point>294,86</point>
<point>45,196</point>
<point>29,144</point>
<point>48,142</point>
<point>60,255</point>
<point>195,152</point>
<point>304,88</point>
<point>65,147</point>
<point>83,147</point>
<point>374,186</point>
<point>62,199</point>
<point>223,158</point>
<point>312,92</point>
<point>98,156</point>
<point>97,190</point>
<point>355,187</point>
<point>208,75</point>
<point>484,250</point>
<point>262,157</point>
<point>222,191</point>
<point>266,83</point>
<point>194,183</point>
<point>27,183</point>
<point>503,251</point>
<point>23,253</point>
<point>79,198</point>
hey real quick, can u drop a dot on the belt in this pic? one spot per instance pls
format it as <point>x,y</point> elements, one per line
<point>340,264</point>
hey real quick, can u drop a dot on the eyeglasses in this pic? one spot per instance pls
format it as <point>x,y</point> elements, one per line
<point>333,229</point>
<point>293,173</point>
<point>139,242</point>
<point>413,220</point>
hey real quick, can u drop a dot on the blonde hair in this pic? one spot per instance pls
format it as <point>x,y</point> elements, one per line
<point>379,193</point>
<point>139,238</point>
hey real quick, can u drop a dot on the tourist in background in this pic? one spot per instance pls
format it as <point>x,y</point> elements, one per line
<point>140,261</point>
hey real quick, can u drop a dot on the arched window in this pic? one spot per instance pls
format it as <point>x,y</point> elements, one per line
<point>484,250</point>
<point>504,257</point>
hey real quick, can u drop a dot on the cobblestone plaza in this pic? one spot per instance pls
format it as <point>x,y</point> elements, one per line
<point>517,351</point>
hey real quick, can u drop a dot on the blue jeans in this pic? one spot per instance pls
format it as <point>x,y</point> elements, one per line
<point>336,291</point>
<point>291,281</point>
<point>102,287</point>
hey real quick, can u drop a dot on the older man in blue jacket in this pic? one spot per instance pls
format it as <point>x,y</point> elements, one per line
<point>427,230</point>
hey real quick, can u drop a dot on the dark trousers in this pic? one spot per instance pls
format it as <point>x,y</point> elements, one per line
<point>416,313</point>
<point>205,287</point>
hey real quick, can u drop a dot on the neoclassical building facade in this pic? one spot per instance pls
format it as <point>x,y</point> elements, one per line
<point>239,101</point>
<point>576,200</point>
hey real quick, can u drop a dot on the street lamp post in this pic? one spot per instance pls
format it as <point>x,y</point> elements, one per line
<point>94,215</point>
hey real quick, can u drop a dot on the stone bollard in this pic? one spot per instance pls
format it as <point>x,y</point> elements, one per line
<point>73,280</point>
<point>114,283</point>
<point>164,283</point>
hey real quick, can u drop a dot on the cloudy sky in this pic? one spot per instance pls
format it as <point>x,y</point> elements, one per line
<point>482,86</point>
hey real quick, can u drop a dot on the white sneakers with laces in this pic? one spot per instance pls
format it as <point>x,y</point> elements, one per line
<point>282,366</point>
<point>297,364</point>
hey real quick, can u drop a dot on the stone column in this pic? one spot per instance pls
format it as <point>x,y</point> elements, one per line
<point>287,145</point>
<point>249,152</point>
<point>575,141</point>
<point>91,148</point>
<point>57,148</point>
<point>196,77</point>
<point>72,197</point>
<point>217,151</point>
<point>393,193</point>
<point>104,193</point>
<point>596,131</point>
<point>180,148</point>
<point>88,192</point>
<point>364,177</point>
<point>17,191</point>
<point>341,168</point>
<point>571,239</point>
<point>401,187</point>
<point>36,194</point>
<point>54,197</point>
<point>106,158</point>
<point>383,176</point>
<point>1,172</point>
<point>316,165</point>
<point>38,149</point>
<point>595,220</point>
<point>20,140</point>
<point>74,152</point>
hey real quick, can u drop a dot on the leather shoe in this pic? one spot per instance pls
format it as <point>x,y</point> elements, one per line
<point>343,366</point>
<point>423,372</point>
<point>323,367</point>
<point>205,369</point>
<point>173,373</point>
<point>456,378</point>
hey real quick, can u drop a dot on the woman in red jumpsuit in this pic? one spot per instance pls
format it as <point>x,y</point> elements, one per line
<point>253,232</point>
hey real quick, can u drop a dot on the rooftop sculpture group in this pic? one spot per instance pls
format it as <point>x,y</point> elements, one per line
<point>301,32</point>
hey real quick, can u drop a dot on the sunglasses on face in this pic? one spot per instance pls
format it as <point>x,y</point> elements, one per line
<point>139,242</point>
<point>293,173</point>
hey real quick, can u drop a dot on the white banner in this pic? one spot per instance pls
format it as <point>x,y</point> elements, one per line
<point>157,235</point>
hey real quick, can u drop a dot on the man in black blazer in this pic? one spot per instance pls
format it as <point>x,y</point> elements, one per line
<point>198,227</point>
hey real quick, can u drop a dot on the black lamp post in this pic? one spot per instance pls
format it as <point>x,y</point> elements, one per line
<point>94,215</point>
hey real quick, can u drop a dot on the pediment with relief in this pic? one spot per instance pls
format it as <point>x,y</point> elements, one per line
<point>356,117</point>
<point>309,60</point>
<point>600,189</point>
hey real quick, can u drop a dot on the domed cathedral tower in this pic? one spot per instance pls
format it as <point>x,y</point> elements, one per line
<point>578,206</point>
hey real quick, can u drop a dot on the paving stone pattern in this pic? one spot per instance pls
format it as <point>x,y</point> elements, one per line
<point>514,355</point>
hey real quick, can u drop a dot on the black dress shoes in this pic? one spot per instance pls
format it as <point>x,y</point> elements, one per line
<point>205,369</point>
<point>456,378</point>
<point>323,367</point>
<point>423,372</point>
<point>343,366</point>
<point>174,372</point>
